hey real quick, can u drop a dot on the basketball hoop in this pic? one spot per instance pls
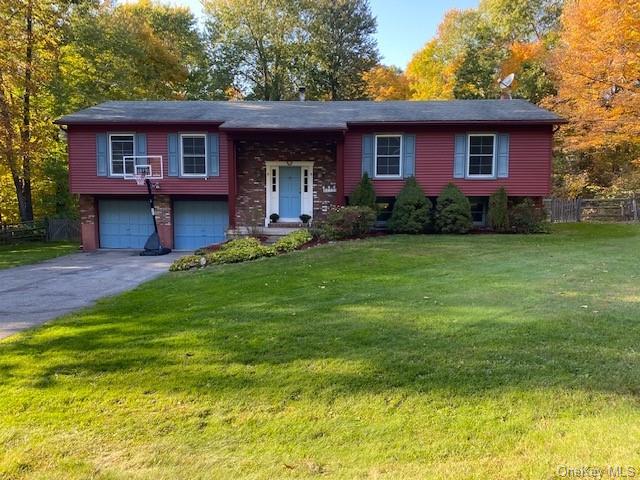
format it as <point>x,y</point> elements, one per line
<point>139,178</point>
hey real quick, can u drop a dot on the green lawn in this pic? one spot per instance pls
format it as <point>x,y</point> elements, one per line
<point>32,252</point>
<point>399,357</point>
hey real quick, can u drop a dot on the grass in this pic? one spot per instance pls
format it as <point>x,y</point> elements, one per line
<point>33,252</point>
<point>398,357</point>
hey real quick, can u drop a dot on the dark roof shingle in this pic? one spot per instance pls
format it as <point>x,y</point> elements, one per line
<point>310,115</point>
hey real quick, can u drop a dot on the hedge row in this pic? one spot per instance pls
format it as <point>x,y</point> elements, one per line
<point>242,250</point>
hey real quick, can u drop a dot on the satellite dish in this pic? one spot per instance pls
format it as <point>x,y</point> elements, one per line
<point>507,81</point>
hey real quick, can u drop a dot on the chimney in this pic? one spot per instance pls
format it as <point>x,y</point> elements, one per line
<point>301,92</point>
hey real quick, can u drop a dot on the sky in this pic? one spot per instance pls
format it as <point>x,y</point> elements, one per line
<point>404,26</point>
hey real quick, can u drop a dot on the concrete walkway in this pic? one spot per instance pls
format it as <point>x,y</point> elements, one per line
<point>33,294</point>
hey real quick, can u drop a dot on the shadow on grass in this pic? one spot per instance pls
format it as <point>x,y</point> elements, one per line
<point>367,329</point>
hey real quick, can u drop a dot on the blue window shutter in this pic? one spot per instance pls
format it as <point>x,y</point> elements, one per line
<point>174,159</point>
<point>502,140</point>
<point>141,148</point>
<point>460,156</point>
<point>409,155</point>
<point>213,155</point>
<point>367,155</point>
<point>101,155</point>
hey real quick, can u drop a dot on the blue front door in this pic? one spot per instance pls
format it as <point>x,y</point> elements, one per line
<point>290,192</point>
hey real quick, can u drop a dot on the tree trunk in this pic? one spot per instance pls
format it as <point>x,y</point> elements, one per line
<point>23,184</point>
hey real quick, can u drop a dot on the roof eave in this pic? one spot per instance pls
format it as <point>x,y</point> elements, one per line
<point>460,122</point>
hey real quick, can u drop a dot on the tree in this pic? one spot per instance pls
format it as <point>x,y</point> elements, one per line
<point>453,211</point>
<point>386,83</point>
<point>523,20</point>
<point>28,37</point>
<point>597,70</point>
<point>411,210</point>
<point>256,44</point>
<point>341,46</point>
<point>364,195</point>
<point>429,76</point>
<point>499,210</point>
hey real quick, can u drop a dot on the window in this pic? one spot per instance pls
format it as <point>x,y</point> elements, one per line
<point>121,146</point>
<point>388,155</point>
<point>194,155</point>
<point>481,162</point>
<point>478,210</point>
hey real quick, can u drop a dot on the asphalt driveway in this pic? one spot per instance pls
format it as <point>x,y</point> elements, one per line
<point>33,294</point>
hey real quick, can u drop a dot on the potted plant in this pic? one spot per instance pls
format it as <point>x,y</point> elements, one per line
<point>305,218</point>
<point>274,217</point>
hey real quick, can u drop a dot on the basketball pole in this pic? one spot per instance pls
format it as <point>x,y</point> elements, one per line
<point>153,246</point>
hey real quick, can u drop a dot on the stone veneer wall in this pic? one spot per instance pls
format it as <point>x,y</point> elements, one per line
<point>251,156</point>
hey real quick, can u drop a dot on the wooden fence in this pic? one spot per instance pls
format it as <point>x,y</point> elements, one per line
<point>52,230</point>
<point>561,210</point>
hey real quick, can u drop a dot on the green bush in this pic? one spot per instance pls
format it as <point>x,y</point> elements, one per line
<point>346,222</point>
<point>412,209</point>
<point>453,211</point>
<point>498,214</point>
<point>525,217</point>
<point>364,195</point>
<point>242,250</point>
<point>292,241</point>
<point>187,263</point>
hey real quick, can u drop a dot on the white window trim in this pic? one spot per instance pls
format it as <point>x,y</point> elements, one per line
<point>206,155</point>
<point>375,156</point>
<point>123,134</point>
<point>494,158</point>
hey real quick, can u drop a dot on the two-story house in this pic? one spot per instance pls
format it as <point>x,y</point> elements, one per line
<point>221,166</point>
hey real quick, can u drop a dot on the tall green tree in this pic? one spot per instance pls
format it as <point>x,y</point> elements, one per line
<point>256,45</point>
<point>341,47</point>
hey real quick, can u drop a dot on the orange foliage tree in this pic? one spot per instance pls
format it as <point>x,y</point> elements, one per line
<point>597,70</point>
<point>597,66</point>
<point>386,83</point>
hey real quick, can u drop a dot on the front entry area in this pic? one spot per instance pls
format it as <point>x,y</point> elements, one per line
<point>289,188</point>
<point>290,194</point>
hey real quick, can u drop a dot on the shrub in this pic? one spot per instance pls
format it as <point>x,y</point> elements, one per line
<point>346,222</point>
<point>242,250</point>
<point>453,211</point>
<point>364,195</point>
<point>187,263</point>
<point>412,209</point>
<point>292,241</point>
<point>274,217</point>
<point>498,215</point>
<point>525,217</point>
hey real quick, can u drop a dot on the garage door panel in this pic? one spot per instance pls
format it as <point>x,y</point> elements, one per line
<point>199,223</point>
<point>124,223</point>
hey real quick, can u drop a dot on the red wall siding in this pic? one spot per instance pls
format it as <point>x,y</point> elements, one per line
<point>529,160</point>
<point>82,162</point>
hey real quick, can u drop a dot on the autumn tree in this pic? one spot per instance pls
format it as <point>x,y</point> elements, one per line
<point>386,83</point>
<point>29,38</point>
<point>597,69</point>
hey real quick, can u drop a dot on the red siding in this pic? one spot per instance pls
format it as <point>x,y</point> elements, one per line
<point>82,162</point>
<point>529,161</point>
